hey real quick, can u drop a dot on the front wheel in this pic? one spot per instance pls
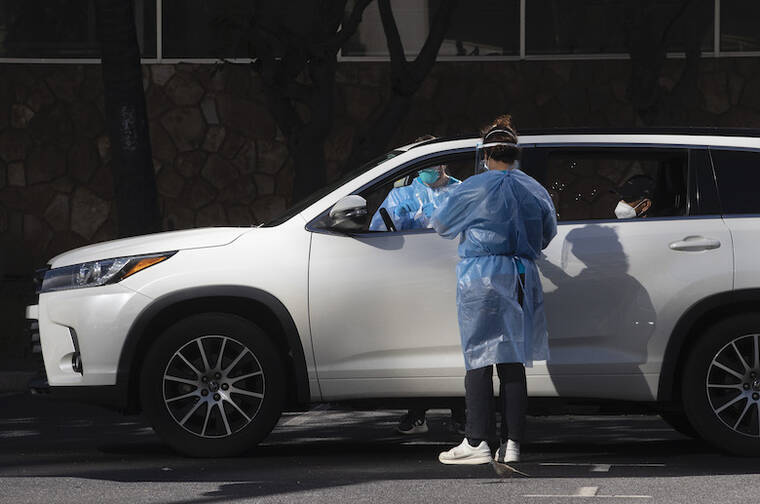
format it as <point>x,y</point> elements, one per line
<point>721,385</point>
<point>212,385</point>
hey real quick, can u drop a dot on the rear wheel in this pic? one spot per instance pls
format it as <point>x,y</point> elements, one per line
<point>721,385</point>
<point>213,385</point>
<point>679,422</point>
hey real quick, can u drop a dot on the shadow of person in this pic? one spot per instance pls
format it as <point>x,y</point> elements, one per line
<point>599,318</point>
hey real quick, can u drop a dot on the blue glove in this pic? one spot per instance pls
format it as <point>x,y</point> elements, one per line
<point>428,209</point>
<point>405,208</point>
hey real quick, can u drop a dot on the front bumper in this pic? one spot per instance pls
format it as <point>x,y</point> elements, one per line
<point>81,333</point>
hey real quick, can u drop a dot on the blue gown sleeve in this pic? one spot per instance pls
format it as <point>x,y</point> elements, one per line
<point>377,223</point>
<point>450,218</point>
<point>396,197</point>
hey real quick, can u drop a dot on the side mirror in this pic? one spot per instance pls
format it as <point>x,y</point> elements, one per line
<point>349,214</point>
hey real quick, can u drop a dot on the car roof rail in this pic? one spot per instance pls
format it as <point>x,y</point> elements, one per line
<point>658,130</point>
<point>654,130</point>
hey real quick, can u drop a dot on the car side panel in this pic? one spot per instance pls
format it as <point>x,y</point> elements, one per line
<point>745,232</point>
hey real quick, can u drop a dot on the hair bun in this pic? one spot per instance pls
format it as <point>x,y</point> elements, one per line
<point>503,122</point>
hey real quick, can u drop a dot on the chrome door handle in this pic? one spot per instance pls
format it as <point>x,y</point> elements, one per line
<point>695,244</point>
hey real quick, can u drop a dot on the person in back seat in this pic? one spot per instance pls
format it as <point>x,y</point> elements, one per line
<point>635,197</point>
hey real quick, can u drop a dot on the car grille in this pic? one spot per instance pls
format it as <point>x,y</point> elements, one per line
<point>39,382</point>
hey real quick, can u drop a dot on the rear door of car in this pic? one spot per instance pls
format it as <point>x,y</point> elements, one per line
<point>614,289</point>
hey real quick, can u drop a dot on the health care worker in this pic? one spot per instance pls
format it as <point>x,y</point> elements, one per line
<point>505,218</point>
<point>411,206</point>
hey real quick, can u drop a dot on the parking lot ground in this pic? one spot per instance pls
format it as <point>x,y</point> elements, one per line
<point>54,451</point>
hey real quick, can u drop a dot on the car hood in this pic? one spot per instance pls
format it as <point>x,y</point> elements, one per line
<point>150,244</point>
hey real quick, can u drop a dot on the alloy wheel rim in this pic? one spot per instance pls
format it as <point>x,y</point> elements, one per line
<point>733,385</point>
<point>213,386</point>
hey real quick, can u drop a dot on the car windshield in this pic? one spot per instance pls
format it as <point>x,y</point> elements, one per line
<point>316,196</point>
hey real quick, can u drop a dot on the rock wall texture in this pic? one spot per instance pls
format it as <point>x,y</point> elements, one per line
<point>220,159</point>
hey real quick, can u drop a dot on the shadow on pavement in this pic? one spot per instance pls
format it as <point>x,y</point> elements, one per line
<point>333,448</point>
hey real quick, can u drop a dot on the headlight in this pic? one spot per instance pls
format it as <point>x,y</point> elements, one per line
<point>96,273</point>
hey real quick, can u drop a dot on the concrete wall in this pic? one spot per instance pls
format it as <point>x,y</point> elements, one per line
<point>220,160</point>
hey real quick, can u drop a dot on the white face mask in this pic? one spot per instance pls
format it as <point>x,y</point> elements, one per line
<point>625,211</point>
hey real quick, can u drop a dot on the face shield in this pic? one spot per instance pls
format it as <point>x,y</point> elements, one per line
<point>481,155</point>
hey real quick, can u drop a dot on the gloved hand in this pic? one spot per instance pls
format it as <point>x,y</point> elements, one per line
<point>428,209</point>
<point>405,208</point>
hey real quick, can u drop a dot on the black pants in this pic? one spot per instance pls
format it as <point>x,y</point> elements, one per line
<point>512,402</point>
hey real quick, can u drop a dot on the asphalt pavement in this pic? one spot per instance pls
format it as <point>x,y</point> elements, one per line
<point>60,452</point>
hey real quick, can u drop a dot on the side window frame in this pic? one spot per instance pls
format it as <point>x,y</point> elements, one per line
<point>704,199</point>
<point>395,174</point>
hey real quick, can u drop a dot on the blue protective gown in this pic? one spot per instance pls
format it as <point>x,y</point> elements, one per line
<point>424,199</point>
<point>500,216</point>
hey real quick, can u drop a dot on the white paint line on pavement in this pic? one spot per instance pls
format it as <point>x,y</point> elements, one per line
<point>587,491</point>
<point>600,468</point>
<point>590,497</point>
<point>575,464</point>
<point>578,495</point>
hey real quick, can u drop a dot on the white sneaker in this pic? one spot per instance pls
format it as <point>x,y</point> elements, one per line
<point>508,452</point>
<point>466,454</point>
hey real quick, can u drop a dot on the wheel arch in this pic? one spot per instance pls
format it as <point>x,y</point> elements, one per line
<point>253,304</point>
<point>700,316</point>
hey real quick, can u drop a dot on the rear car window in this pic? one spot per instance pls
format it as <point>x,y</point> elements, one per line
<point>737,174</point>
<point>581,181</point>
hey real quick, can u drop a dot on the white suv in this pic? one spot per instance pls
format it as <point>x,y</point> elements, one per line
<point>214,332</point>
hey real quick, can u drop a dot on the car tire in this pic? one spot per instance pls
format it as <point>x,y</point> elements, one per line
<point>721,385</point>
<point>680,423</point>
<point>212,385</point>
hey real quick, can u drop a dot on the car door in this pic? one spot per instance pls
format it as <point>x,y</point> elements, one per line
<point>383,307</point>
<point>614,289</point>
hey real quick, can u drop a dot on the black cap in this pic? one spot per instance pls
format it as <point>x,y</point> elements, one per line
<point>636,188</point>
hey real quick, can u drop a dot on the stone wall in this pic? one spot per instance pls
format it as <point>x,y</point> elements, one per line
<point>220,160</point>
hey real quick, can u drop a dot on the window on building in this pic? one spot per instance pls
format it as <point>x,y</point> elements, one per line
<point>602,26</point>
<point>477,28</point>
<point>737,173</point>
<point>565,27</point>
<point>205,28</point>
<point>64,28</point>
<point>582,182</point>
<point>739,25</point>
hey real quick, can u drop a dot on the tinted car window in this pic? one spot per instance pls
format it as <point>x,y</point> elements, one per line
<point>581,181</point>
<point>737,173</point>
